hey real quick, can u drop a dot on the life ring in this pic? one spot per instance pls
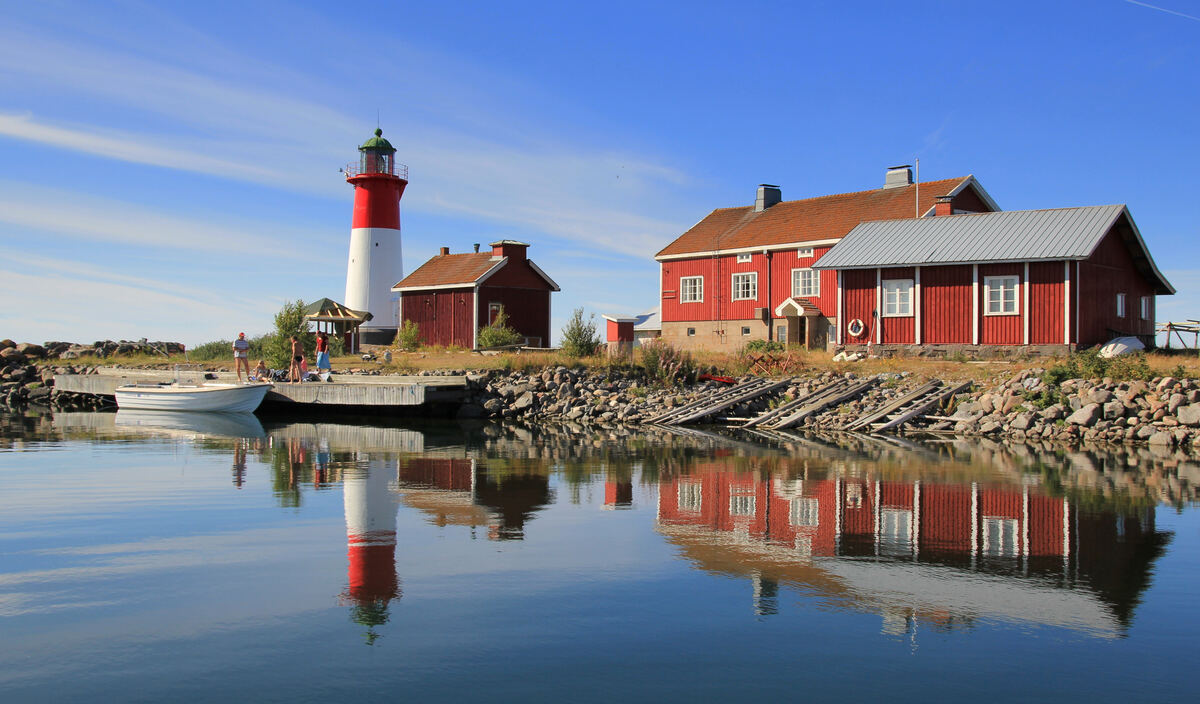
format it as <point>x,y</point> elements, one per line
<point>855,327</point>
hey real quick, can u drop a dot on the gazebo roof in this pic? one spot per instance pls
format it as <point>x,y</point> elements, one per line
<point>328,311</point>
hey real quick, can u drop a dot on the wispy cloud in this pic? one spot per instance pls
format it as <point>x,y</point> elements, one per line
<point>117,222</point>
<point>1163,9</point>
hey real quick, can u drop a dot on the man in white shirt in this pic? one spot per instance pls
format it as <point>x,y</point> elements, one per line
<point>241,355</point>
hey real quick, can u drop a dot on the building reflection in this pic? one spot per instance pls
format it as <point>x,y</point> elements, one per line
<point>463,491</point>
<point>370,505</point>
<point>915,550</point>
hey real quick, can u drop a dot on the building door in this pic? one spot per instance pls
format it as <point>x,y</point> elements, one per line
<point>781,332</point>
<point>796,328</point>
<point>494,311</point>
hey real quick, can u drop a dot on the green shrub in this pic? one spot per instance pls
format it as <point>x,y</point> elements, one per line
<point>579,337</point>
<point>223,350</point>
<point>763,346</point>
<point>498,334</point>
<point>289,321</point>
<point>1090,365</point>
<point>665,364</point>
<point>408,337</point>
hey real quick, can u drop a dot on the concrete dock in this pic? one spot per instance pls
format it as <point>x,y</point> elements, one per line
<point>344,390</point>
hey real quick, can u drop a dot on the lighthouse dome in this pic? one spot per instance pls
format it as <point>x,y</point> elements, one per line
<point>377,144</point>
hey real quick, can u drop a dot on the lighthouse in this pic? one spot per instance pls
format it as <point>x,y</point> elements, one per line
<point>372,583</point>
<point>375,263</point>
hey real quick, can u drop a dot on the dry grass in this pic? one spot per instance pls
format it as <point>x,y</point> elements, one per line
<point>1162,363</point>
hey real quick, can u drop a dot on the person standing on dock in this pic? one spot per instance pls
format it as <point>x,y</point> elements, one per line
<point>241,356</point>
<point>297,357</point>
<point>323,353</point>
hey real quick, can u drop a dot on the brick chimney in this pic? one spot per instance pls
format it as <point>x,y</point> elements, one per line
<point>944,205</point>
<point>443,251</point>
<point>512,249</point>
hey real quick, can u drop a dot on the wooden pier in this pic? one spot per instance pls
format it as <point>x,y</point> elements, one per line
<point>356,390</point>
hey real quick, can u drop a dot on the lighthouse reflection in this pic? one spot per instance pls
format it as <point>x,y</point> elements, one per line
<point>370,506</point>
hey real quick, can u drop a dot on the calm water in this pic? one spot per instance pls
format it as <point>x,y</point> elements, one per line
<point>157,558</point>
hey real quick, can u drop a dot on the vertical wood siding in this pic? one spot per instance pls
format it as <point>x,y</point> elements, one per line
<point>1109,271</point>
<point>859,302</point>
<point>1045,525</point>
<point>443,317</point>
<point>717,272</point>
<point>899,331</point>
<point>528,310</point>
<point>946,305</point>
<point>945,521</point>
<point>1046,303</point>
<point>1001,329</point>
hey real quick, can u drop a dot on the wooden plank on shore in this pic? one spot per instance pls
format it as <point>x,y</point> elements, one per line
<point>715,395</point>
<point>891,407</point>
<point>821,404</point>
<point>795,403</point>
<point>728,402</point>
<point>921,408</point>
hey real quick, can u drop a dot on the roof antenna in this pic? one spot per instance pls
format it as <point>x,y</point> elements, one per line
<point>917,178</point>
<point>376,118</point>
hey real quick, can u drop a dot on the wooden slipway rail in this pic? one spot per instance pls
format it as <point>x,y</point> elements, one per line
<point>916,403</point>
<point>716,401</point>
<point>836,393</point>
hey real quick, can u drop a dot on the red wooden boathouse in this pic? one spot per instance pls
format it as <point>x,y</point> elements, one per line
<point>1067,277</point>
<point>451,296</point>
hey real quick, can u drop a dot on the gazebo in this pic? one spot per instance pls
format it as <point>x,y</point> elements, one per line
<point>336,319</point>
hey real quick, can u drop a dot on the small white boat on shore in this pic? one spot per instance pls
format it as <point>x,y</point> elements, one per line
<point>207,397</point>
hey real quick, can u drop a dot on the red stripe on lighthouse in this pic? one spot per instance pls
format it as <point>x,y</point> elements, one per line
<point>377,202</point>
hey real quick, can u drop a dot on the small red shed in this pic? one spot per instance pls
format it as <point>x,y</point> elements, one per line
<point>451,296</point>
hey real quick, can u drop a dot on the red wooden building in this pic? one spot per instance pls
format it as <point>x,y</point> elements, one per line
<point>748,272</point>
<point>1072,277</point>
<point>451,296</point>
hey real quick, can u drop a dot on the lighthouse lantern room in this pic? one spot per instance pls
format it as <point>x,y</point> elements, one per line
<point>375,262</point>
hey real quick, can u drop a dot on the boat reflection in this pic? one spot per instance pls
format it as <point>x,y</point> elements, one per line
<point>216,425</point>
<point>918,550</point>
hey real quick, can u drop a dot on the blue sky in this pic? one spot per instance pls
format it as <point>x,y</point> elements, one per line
<point>172,167</point>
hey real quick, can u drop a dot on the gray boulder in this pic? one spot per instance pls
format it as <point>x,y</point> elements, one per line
<point>1189,414</point>
<point>1086,416</point>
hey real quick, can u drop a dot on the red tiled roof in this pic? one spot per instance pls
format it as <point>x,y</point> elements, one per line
<point>446,269</point>
<point>827,217</point>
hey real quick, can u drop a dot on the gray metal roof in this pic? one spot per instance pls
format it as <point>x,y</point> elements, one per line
<point>1015,235</point>
<point>977,238</point>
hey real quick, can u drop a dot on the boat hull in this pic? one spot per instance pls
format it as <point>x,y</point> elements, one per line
<point>205,398</point>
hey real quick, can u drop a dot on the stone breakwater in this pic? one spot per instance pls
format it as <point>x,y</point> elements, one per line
<point>101,348</point>
<point>1162,411</point>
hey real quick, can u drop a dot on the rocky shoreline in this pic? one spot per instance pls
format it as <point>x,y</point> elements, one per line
<point>1163,411</point>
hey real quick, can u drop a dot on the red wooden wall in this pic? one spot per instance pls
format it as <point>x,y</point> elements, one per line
<point>528,310</point>
<point>946,305</point>
<point>898,330</point>
<point>443,317</point>
<point>858,302</point>
<point>1001,329</point>
<point>1046,303</point>
<point>718,285</point>
<point>1110,270</point>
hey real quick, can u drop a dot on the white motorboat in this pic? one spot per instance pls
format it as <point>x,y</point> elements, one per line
<point>192,397</point>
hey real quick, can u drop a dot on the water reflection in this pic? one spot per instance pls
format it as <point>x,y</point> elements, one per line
<point>942,553</point>
<point>941,534</point>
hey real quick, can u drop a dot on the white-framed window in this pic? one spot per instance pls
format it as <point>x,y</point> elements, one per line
<point>804,252</point>
<point>1000,293</point>
<point>1145,307</point>
<point>745,331</point>
<point>691,332</point>
<point>690,498</point>
<point>1120,305</point>
<point>745,286</point>
<point>691,289</point>
<point>744,258</point>
<point>897,298</point>
<point>741,505</point>
<point>1000,537</point>
<point>805,512</point>
<point>806,283</point>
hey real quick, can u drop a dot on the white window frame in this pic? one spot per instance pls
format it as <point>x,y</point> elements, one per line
<point>804,252</point>
<point>902,290</point>
<point>745,331</point>
<point>1145,307</point>
<point>1000,537</point>
<point>745,258</point>
<point>805,512</point>
<point>690,497</point>
<point>813,277</point>
<point>743,505</point>
<point>684,293</point>
<point>752,278</point>
<point>1003,284</point>
<point>1120,305</point>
